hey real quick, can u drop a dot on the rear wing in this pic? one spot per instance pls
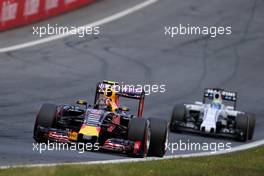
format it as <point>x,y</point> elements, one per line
<point>123,91</point>
<point>226,95</point>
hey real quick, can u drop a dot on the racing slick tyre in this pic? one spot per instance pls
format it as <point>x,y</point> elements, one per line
<point>242,124</point>
<point>139,130</point>
<point>159,137</point>
<point>252,123</point>
<point>178,115</point>
<point>45,118</point>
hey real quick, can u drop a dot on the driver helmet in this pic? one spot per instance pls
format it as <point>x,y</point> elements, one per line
<point>217,101</point>
<point>110,99</point>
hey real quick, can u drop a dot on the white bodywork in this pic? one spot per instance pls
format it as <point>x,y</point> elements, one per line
<point>209,119</point>
<point>210,115</point>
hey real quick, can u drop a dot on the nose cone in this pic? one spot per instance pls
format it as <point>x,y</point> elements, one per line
<point>90,130</point>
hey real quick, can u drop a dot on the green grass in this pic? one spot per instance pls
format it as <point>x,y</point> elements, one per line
<point>244,163</point>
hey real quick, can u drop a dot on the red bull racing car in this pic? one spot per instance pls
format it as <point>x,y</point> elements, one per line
<point>104,123</point>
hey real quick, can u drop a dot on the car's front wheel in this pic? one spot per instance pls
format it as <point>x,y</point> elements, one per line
<point>242,124</point>
<point>252,123</point>
<point>159,137</point>
<point>46,118</point>
<point>177,116</point>
<point>139,130</point>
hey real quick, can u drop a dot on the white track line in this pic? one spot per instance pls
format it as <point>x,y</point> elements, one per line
<point>93,24</point>
<point>118,161</point>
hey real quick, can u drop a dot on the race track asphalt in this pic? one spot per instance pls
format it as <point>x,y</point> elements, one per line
<point>133,50</point>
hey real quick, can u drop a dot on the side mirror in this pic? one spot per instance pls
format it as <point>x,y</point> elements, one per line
<point>198,103</point>
<point>230,108</point>
<point>82,102</point>
<point>124,108</point>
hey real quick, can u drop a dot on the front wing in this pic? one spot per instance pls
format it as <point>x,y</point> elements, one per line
<point>180,128</point>
<point>112,144</point>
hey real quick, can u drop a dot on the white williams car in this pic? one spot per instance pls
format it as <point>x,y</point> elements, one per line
<point>213,117</point>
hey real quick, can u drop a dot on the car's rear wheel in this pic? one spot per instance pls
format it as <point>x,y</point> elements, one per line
<point>46,118</point>
<point>178,115</point>
<point>159,137</point>
<point>242,124</point>
<point>139,130</point>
